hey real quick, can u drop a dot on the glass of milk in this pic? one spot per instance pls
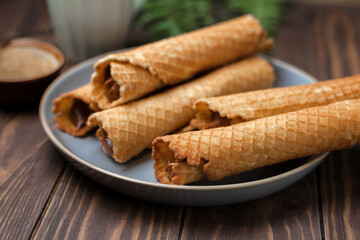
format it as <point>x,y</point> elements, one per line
<point>85,28</point>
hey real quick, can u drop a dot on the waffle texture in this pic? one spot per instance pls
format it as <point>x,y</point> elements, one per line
<point>263,103</point>
<point>132,127</point>
<point>62,106</point>
<point>170,61</point>
<point>219,152</point>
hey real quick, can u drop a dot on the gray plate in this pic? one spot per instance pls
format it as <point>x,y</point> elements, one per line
<point>136,177</point>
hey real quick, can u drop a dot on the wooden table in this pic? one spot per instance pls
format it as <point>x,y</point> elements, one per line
<point>43,197</point>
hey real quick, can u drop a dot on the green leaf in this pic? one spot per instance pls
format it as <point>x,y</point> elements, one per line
<point>164,18</point>
<point>268,12</point>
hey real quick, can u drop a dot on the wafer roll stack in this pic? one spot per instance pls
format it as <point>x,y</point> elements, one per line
<point>128,129</point>
<point>219,152</point>
<point>120,78</point>
<point>72,110</point>
<point>232,109</point>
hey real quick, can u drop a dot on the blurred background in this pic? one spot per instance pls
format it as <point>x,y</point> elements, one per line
<point>85,28</point>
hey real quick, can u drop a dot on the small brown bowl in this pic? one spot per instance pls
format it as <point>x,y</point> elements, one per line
<point>29,90</point>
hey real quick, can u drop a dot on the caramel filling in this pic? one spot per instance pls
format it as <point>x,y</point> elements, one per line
<point>190,173</point>
<point>170,173</point>
<point>218,121</point>
<point>112,92</point>
<point>169,170</point>
<point>106,143</point>
<point>79,113</point>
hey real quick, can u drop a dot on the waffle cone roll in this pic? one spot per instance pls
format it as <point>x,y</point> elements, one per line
<point>132,127</point>
<point>138,72</point>
<point>232,109</point>
<point>219,152</point>
<point>67,107</point>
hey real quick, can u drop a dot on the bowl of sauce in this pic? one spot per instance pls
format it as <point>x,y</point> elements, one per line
<point>27,66</point>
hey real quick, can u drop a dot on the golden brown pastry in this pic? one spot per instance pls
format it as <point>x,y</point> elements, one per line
<point>128,129</point>
<point>120,78</point>
<point>242,107</point>
<point>219,152</point>
<point>72,110</point>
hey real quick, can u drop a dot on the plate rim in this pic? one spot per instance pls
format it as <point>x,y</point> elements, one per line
<point>234,186</point>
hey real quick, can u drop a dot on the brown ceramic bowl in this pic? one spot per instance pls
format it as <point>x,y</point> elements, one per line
<point>29,90</point>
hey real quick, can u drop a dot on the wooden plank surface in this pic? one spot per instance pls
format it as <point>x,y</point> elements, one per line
<point>333,46</point>
<point>29,168</point>
<point>82,209</point>
<point>337,51</point>
<point>289,214</point>
<point>340,184</point>
<point>29,164</point>
<point>28,17</point>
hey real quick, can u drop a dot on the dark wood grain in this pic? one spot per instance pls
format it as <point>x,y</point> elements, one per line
<point>337,54</point>
<point>289,214</point>
<point>82,209</point>
<point>29,167</point>
<point>340,184</point>
<point>29,18</point>
<point>289,43</point>
<point>29,163</point>
<point>332,41</point>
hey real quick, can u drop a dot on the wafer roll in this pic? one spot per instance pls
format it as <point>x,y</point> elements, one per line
<point>219,152</point>
<point>232,109</point>
<point>120,78</point>
<point>72,110</point>
<point>128,129</point>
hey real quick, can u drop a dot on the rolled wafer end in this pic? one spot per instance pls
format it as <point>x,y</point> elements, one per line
<point>264,44</point>
<point>72,110</point>
<point>103,134</point>
<point>169,168</point>
<point>109,137</point>
<point>206,118</point>
<point>116,81</point>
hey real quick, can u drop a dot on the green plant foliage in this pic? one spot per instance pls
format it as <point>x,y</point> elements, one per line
<point>267,11</point>
<point>164,18</point>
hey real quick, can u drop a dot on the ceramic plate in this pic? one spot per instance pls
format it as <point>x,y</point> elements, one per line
<point>136,177</point>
